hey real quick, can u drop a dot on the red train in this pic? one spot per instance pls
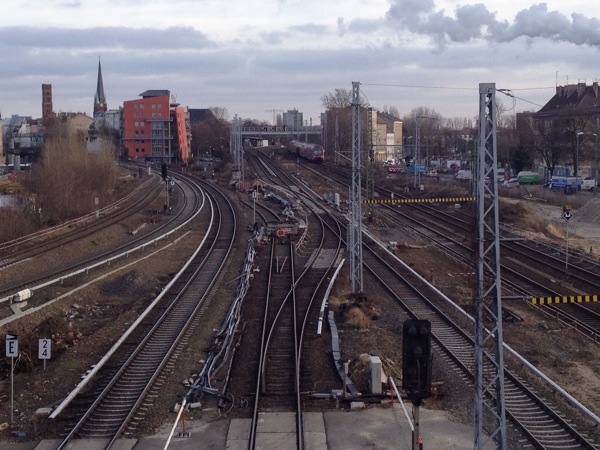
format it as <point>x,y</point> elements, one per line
<point>312,152</point>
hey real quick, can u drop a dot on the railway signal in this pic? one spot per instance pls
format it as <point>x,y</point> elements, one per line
<point>163,171</point>
<point>416,359</point>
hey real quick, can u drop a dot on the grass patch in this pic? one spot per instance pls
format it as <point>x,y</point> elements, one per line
<point>355,317</point>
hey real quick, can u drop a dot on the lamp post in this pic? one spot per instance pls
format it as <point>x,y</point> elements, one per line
<point>418,149</point>
<point>576,163</point>
<point>417,159</point>
<point>595,164</point>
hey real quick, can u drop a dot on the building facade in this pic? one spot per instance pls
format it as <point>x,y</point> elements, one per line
<point>292,119</point>
<point>154,129</point>
<point>386,136</point>
<point>564,131</point>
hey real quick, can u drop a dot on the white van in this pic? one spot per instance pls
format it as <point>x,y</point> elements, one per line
<point>464,175</point>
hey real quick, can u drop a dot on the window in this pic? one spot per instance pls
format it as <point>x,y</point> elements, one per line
<point>136,124</point>
<point>136,105</point>
<point>141,124</point>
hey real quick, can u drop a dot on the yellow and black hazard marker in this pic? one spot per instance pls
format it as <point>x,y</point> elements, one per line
<point>564,299</point>
<point>424,200</point>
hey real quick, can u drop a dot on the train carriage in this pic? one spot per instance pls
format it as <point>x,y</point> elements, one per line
<point>311,152</point>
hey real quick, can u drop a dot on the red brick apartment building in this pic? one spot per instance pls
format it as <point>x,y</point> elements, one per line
<point>154,129</point>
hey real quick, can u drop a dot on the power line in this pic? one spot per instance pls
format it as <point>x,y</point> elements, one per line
<point>420,87</point>
<point>456,88</point>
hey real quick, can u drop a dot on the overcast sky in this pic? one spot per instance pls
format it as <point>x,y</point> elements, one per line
<point>253,56</point>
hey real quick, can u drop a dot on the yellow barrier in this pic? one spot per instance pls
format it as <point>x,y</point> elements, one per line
<point>424,200</point>
<point>564,299</point>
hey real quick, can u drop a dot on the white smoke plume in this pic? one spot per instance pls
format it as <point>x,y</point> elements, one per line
<point>475,21</point>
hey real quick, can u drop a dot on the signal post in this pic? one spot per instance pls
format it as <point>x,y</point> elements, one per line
<point>416,368</point>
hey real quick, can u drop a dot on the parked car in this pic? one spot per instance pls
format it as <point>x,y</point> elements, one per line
<point>432,173</point>
<point>511,183</point>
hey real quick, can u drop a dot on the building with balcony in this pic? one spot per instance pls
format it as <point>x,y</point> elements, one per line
<point>154,129</point>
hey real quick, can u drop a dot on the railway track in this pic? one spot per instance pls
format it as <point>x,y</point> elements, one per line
<point>281,313</point>
<point>133,370</point>
<point>43,240</point>
<point>529,268</point>
<point>41,280</point>
<point>524,407</point>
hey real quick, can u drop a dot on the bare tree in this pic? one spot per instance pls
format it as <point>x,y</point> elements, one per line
<point>219,112</point>
<point>391,110</point>
<point>339,98</point>
<point>68,178</point>
<point>430,126</point>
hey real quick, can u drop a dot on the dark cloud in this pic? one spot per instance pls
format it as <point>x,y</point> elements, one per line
<point>71,4</point>
<point>274,37</point>
<point>311,28</point>
<point>175,38</point>
<point>471,22</point>
<point>341,26</point>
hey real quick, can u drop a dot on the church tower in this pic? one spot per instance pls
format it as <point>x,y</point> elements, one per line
<point>99,99</point>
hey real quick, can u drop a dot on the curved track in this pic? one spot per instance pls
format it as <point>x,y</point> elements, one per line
<point>141,360</point>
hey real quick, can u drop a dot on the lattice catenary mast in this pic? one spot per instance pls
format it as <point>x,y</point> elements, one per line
<point>355,225</point>
<point>489,371</point>
<point>237,151</point>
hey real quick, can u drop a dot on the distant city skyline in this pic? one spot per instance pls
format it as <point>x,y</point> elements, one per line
<point>286,54</point>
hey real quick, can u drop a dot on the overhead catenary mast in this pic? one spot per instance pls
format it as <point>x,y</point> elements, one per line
<point>489,385</point>
<point>355,225</point>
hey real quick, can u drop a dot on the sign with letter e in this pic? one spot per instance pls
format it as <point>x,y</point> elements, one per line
<point>12,346</point>
<point>45,348</point>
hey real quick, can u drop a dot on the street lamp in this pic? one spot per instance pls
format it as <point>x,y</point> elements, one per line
<point>417,153</point>
<point>595,163</point>
<point>576,163</point>
<point>418,149</point>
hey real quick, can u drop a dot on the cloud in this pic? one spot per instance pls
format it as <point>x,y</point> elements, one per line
<point>472,22</point>
<point>174,38</point>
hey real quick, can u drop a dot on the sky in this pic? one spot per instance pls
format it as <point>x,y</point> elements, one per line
<point>256,57</point>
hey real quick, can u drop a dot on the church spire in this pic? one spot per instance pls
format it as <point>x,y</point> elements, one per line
<point>99,98</point>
